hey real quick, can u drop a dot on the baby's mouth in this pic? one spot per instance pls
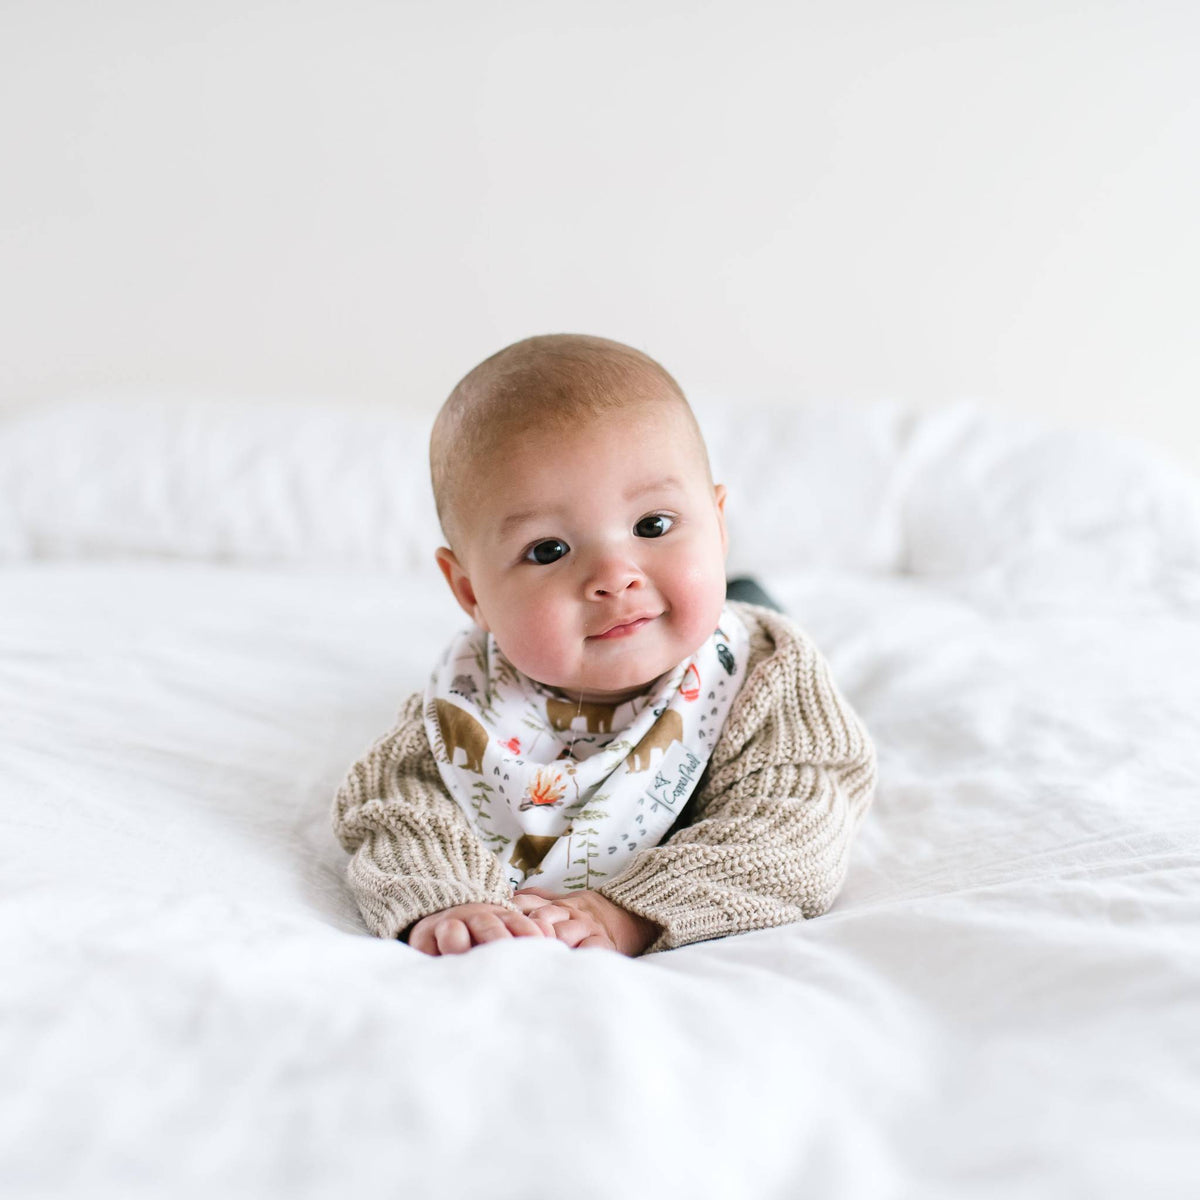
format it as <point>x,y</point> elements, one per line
<point>622,629</point>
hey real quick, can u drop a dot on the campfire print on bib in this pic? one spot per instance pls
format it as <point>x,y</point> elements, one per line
<point>565,794</point>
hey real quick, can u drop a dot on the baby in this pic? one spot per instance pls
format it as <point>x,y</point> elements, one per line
<point>612,755</point>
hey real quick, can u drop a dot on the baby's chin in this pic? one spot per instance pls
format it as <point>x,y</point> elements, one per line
<point>604,686</point>
<point>610,686</point>
<point>597,696</point>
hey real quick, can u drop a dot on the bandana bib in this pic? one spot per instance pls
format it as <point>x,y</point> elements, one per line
<point>565,793</point>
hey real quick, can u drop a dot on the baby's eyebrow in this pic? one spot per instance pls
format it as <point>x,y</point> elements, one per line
<point>657,485</point>
<point>513,520</point>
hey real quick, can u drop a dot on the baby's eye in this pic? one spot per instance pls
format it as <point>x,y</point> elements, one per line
<point>544,553</point>
<point>655,526</point>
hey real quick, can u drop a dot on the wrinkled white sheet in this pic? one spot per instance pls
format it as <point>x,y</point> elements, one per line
<point>1004,1001</point>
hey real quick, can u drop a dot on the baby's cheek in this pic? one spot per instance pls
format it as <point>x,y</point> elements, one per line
<point>534,649</point>
<point>702,598</point>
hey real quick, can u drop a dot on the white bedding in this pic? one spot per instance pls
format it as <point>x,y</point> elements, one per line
<point>207,613</point>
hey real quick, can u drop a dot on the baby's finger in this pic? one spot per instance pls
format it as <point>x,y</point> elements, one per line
<point>487,927</point>
<point>572,932</point>
<point>519,926</point>
<point>552,914</point>
<point>547,913</point>
<point>529,904</point>
<point>452,937</point>
<point>596,941</point>
<point>422,939</point>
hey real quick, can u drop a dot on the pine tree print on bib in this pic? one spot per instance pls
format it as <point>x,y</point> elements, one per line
<point>563,793</point>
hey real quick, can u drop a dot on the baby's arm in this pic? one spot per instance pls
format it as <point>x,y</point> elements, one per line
<point>787,785</point>
<point>414,851</point>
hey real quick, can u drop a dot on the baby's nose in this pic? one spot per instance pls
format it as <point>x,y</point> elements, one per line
<point>612,575</point>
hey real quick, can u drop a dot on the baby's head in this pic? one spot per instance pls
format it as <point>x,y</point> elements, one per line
<point>584,529</point>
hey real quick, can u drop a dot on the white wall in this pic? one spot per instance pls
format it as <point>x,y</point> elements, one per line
<point>856,199</point>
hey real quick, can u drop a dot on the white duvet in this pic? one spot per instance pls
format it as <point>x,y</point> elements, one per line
<point>207,613</point>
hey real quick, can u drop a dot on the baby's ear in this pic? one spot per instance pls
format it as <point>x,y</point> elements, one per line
<point>460,585</point>
<point>719,500</point>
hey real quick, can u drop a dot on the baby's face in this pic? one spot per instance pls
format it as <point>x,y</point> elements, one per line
<point>596,558</point>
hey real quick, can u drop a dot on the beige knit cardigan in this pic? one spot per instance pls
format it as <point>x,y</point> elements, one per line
<point>763,841</point>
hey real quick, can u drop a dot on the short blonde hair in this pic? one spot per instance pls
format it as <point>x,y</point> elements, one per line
<point>552,381</point>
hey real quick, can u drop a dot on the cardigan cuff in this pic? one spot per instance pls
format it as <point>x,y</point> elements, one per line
<point>692,911</point>
<point>391,911</point>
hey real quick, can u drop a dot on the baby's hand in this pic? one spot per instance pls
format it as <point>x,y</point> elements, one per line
<point>584,919</point>
<point>455,930</point>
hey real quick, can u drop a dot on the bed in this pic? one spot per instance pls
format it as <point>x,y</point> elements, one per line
<point>208,610</point>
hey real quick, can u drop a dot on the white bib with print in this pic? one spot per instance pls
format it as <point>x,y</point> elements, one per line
<point>565,793</point>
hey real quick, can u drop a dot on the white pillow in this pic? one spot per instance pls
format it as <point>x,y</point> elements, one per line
<point>808,486</point>
<point>1013,499</point>
<point>953,492</point>
<point>257,481</point>
<point>322,482</point>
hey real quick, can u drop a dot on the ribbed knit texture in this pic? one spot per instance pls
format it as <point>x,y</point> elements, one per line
<point>764,841</point>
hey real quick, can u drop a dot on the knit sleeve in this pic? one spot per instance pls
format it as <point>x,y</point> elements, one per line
<point>788,782</point>
<point>414,851</point>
